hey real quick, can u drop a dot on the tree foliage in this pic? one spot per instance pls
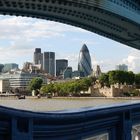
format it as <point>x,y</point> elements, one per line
<point>116,76</point>
<point>68,88</point>
<point>137,79</point>
<point>104,79</point>
<point>35,83</point>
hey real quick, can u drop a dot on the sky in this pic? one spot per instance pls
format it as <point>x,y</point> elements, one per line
<point>19,36</point>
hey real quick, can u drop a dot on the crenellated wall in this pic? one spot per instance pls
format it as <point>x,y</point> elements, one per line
<point>113,91</point>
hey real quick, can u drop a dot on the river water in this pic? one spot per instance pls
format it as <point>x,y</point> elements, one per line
<point>59,104</point>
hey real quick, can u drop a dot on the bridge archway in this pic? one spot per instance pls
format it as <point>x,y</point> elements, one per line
<point>118,20</point>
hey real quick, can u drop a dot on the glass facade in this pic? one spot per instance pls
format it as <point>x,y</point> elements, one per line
<point>84,63</point>
<point>1,67</point>
<point>122,67</point>
<point>20,79</point>
<point>9,67</point>
<point>61,65</point>
<point>49,63</point>
<point>67,73</point>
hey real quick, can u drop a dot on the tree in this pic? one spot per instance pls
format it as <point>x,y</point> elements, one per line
<point>137,79</point>
<point>104,79</point>
<point>68,88</point>
<point>121,77</point>
<point>130,78</point>
<point>35,83</point>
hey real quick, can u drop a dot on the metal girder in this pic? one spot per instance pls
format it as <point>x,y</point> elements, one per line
<point>116,19</point>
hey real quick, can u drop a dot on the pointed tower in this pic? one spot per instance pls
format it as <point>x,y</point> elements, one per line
<point>84,63</point>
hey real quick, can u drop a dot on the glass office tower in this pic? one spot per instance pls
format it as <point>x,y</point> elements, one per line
<point>84,63</point>
<point>49,63</point>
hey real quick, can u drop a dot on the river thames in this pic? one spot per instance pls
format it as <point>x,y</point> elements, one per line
<point>60,104</point>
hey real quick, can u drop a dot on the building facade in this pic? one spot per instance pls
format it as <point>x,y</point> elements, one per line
<point>20,80</point>
<point>1,67</point>
<point>122,67</point>
<point>4,85</point>
<point>84,63</point>
<point>49,63</point>
<point>76,74</point>
<point>38,57</point>
<point>10,66</point>
<point>61,65</point>
<point>67,73</point>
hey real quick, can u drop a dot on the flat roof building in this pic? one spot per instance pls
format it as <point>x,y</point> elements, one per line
<point>122,67</point>
<point>49,63</point>
<point>20,80</point>
<point>61,65</point>
<point>4,85</point>
<point>9,66</point>
<point>67,73</point>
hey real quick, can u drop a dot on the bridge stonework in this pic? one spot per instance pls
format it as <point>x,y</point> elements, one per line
<point>116,19</point>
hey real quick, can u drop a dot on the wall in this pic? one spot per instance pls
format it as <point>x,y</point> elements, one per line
<point>116,90</point>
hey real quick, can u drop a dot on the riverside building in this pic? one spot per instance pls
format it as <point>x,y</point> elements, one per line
<point>20,80</point>
<point>4,85</point>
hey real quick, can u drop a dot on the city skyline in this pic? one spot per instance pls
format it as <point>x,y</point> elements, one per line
<point>20,36</point>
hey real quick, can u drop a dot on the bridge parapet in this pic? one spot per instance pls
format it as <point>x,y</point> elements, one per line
<point>120,122</point>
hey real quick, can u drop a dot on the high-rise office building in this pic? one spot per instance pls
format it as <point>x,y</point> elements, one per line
<point>84,63</point>
<point>61,65</point>
<point>38,57</point>
<point>49,62</point>
<point>1,67</point>
<point>122,67</point>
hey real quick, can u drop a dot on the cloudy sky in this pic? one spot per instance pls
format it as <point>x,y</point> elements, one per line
<point>20,36</point>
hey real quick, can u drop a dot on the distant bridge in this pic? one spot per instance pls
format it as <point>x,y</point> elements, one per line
<point>116,19</point>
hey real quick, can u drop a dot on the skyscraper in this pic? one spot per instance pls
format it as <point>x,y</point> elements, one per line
<point>38,57</point>
<point>84,63</point>
<point>61,65</point>
<point>49,62</point>
<point>1,67</point>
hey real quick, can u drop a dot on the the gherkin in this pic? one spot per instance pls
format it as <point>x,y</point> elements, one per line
<point>84,63</point>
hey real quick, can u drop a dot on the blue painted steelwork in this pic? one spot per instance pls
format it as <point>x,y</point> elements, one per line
<point>79,124</point>
<point>116,19</point>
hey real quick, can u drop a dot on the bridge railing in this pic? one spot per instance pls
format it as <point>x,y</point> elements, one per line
<point>119,122</point>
